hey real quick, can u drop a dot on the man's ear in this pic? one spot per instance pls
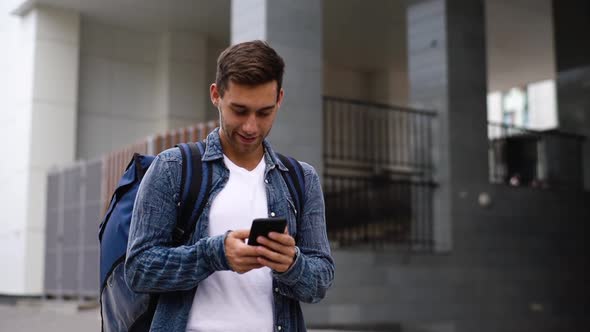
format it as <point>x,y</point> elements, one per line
<point>214,95</point>
<point>280,97</point>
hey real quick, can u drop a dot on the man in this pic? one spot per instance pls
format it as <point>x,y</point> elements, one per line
<point>217,282</point>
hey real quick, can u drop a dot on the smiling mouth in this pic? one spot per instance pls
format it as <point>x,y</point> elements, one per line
<point>247,139</point>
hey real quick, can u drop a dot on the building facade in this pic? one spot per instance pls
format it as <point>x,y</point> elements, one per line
<point>83,78</point>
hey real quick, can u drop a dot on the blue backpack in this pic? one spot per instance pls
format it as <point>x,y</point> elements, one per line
<point>121,308</point>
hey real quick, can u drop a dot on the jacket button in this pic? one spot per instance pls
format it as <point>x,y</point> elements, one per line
<point>272,214</point>
<point>266,181</point>
<point>279,328</point>
<point>277,289</point>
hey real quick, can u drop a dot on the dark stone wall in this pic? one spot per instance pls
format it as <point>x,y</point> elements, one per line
<point>519,265</point>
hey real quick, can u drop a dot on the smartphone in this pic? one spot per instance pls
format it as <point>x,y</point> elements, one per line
<point>263,226</point>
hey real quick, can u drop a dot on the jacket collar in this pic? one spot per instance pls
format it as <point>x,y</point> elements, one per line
<point>214,151</point>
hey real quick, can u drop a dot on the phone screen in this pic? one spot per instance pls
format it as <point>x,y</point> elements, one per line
<point>263,226</point>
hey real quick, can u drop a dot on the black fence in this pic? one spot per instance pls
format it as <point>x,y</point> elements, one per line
<point>538,159</point>
<point>378,174</point>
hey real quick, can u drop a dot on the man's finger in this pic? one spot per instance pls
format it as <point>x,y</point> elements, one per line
<point>242,261</point>
<point>276,246</point>
<point>235,247</point>
<point>247,250</point>
<point>275,266</point>
<point>284,239</point>
<point>274,256</point>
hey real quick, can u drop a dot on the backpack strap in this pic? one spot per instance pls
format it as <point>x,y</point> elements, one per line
<point>204,189</point>
<point>295,181</point>
<point>194,191</point>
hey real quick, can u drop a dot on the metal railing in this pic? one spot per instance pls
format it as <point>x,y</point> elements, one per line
<point>378,179</point>
<point>532,158</point>
<point>378,171</point>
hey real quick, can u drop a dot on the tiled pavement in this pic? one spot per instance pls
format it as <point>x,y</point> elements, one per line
<point>53,316</point>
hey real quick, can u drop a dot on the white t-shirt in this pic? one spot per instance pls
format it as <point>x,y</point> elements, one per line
<point>226,300</point>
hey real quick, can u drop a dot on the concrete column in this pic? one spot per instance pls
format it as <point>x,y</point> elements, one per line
<point>45,107</point>
<point>447,73</point>
<point>182,89</point>
<point>294,29</point>
<point>573,72</point>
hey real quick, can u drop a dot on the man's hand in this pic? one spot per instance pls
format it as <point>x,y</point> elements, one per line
<point>277,251</point>
<point>240,256</point>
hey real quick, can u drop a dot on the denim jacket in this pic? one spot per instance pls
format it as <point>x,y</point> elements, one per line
<point>154,265</point>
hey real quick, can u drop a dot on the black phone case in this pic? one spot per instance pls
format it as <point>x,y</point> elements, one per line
<point>263,226</point>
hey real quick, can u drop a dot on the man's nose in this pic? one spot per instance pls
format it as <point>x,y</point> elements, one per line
<point>249,126</point>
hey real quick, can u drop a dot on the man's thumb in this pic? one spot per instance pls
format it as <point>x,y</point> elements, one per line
<point>240,233</point>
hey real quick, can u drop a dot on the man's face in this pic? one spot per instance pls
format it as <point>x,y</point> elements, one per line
<point>246,115</point>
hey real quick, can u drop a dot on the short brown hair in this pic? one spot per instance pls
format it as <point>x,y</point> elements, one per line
<point>249,63</point>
